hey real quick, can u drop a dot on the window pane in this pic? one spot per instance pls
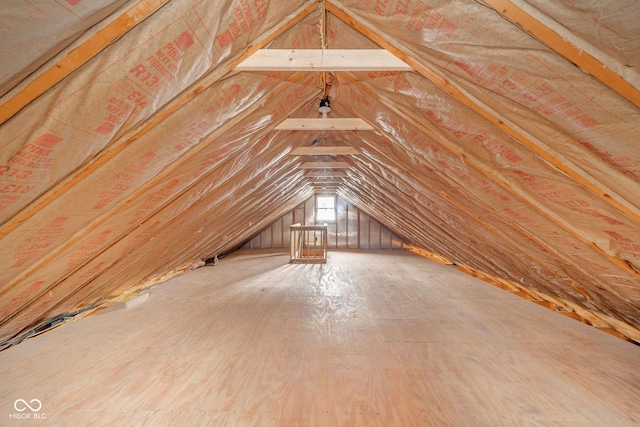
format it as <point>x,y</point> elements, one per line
<point>326,215</point>
<point>326,202</point>
<point>326,208</point>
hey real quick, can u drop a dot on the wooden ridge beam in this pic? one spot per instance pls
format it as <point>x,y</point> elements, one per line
<point>560,162</point>
<point>342,123</point>
<point>568,50</point>
<point>325,165</point>
<point>80,55</point>
<point>324,151</point>
<point>323,60</point>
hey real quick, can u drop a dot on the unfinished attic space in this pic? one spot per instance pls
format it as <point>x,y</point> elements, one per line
<point>320,213</point>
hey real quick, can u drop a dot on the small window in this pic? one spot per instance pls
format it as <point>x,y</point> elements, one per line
<point>326,206</point>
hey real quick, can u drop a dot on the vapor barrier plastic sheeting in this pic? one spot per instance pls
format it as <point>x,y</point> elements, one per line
<point>609,25</point>
<point>120,88</point>
<point>99,107</point>
<point>33,32</point>
<point>446,172</point>
<point>531,184</point>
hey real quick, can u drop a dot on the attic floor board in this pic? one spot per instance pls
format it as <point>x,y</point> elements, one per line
<point>380,338</point>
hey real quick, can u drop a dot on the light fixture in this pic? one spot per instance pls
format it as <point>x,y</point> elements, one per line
<point>325,106</point>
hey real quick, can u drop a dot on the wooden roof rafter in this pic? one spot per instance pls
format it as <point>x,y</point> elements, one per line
<point>162,114</point>
<point>550,156</point>
<point>258,178</point>
<point>371,193</point>
<point>565,48</point>
<point>79,55</point>
<point>483,223</point>
<point>226,127</point>
<point>241,216</point>
<point>504,184</point>
<point>433,231</point>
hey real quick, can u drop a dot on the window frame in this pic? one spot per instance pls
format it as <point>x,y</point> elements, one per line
<point>318,208</point>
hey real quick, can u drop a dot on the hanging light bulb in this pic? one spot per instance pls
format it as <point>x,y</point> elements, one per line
<point>325,106</point>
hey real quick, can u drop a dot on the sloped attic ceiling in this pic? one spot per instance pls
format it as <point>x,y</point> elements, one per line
<point>132,146</point>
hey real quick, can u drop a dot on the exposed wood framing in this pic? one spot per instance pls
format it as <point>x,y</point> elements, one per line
<point>369,202</point>
<point>293,199</point>
<point>561,163</point>
<point>324,180</point>
<point>228,125</point>
<point>565,48</point>
<point>144,283</point>
<point>237,226</point>
<point>323,151</point>
<point>476,165</point>
<point>427,254</point>
<point>409,219</point>
<point>491,229</point>
<point>326,183</point>
<point>203,200</point>
<point>323,60</point>
<point>525,232</point>
<point>328,174</point>
<point>540,298</point>
<point>80,55</point>
<point>160,116</point>
<point>427,184</point>
<point>348,123</point>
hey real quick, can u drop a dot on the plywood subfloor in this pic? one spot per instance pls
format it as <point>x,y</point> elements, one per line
<point>369,339</point>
